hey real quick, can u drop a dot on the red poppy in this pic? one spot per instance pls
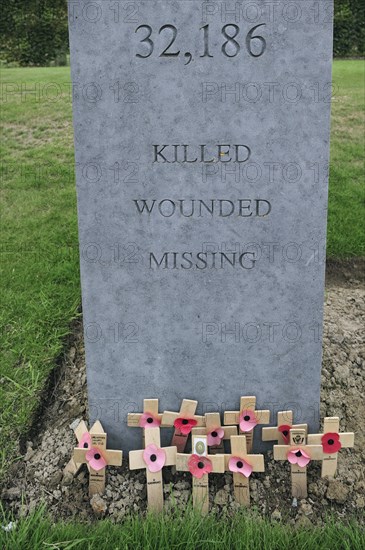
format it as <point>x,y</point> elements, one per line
<point>185,425</point>
<point>284,429</point>
<point>331,443</point>
<point>199,465</point>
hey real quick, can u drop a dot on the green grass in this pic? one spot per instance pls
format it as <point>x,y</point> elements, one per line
<point>39,252</point>
<point>39,268</point>
<point>346,206</point>
<point>178,531</point>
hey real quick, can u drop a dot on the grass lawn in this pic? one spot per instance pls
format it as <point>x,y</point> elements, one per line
<point>346,206</point>
<point>180,530</point>
<point>39,252</point>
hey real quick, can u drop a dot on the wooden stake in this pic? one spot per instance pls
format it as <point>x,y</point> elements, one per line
<point>150,416</point>
<point>298,473</point>
<point>240,481</point>
<point>331,427</point>
<point>112,458</point>
<point>285,419</point>
<point>200,484</point>
<point>154,479</point>
<point>212,425</point>
<point>186,413</point>
<point>79,431</point>
<point>247,404</point>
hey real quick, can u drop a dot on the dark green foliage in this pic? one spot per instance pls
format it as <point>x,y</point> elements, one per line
<point>34,32</point>
<point>349,28</point>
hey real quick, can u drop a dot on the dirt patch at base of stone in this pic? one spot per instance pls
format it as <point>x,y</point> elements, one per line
<point>38,477</point>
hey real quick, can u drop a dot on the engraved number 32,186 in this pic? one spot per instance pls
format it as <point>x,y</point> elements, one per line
<point>255,44</point>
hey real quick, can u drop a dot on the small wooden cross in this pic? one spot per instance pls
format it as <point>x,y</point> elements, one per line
<point>280,433</point>
<point>200,465</point>
<point>215,432</point>
<point>331,441</point>
<point>183,421</point>
<point>80,430</point>
<point>242,465</point>
<point>153,458</point>
<point>247,418</point>
<point>297,452</point>
<point>98,454</point>
<point>149,418</point>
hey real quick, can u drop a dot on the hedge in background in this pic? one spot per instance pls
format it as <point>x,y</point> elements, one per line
<point>34,32</point>
<point>349,28</point>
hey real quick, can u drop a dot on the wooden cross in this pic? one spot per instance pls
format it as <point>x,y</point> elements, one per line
<point>153,453</point>
<point>280,433</point>
<point>242,418</point>
<point>98,452</point>
<point>149,418</point>
<point>200,465</point>
<point>184,421</point>
<point>331,438</point>
<point>241,465</point>
<point>212,429</point>
<point>80,430</point>
<point>297,450</point>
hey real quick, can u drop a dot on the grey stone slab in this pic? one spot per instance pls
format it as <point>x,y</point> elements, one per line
<point>226,299</point>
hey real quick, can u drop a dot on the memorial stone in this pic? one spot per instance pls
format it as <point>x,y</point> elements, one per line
<point>202,147</point>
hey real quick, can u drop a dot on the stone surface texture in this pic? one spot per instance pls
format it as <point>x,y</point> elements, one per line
<point>180,331</point>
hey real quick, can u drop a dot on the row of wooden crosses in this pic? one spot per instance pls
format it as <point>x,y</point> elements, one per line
<point>294,444</point>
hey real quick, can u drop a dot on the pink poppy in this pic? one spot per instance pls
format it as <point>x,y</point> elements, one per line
<point>199,465</point>
<point>154,458</point>
<point>95,459</point>
<point>248,420</point>
<point>239,466</point>
<point>284,429</point>
<point>185,425</point>
<point>148,420</point>
<point>215,437</point>
<point>298,456</point>
<point>85,441</point>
